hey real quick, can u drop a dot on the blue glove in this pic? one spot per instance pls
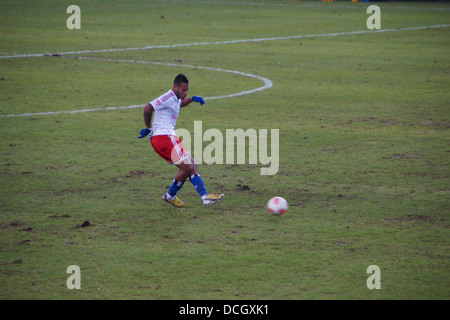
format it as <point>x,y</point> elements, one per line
<point>198,99</point>
<point>144,132</point>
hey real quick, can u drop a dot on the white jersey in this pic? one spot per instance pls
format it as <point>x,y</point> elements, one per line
<point>167,108</point>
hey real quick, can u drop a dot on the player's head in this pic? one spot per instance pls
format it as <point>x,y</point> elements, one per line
<point>181,86</point>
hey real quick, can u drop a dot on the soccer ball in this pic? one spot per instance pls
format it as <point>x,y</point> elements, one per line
<point>277,205</point>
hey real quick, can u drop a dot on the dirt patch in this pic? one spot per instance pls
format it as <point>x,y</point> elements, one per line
<point>412,217</point>
<point>242,187</point>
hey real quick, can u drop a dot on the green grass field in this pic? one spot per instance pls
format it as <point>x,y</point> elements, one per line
<point>363,148</point>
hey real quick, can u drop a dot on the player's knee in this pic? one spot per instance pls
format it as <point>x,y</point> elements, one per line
<point>191,169</point>
<point>188,169</point>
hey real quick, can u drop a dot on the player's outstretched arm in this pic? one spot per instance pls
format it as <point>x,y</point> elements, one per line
<point>187,101</point>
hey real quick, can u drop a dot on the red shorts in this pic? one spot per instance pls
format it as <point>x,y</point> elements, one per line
<point>169,148</point>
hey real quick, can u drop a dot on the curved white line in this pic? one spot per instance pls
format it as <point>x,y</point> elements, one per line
<point>34,55</point>
<point>267,84</point>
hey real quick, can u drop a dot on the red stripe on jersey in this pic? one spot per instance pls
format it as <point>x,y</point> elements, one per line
<point>167,97</point>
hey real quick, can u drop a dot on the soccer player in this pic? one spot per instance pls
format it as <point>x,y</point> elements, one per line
<point>168,146</point>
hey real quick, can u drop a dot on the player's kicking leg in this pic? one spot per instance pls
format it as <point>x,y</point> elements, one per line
<point>189,169</point>
<point>210,198</point>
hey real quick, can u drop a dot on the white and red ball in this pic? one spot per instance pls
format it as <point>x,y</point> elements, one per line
<point>277,205</point>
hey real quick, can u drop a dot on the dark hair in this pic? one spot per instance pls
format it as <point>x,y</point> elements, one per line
<point>179,79</point>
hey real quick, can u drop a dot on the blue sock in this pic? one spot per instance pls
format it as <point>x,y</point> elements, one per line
<point>198,184</point>
<point>175,187</point>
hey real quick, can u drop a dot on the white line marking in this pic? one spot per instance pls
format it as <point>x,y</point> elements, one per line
<point>267,83</point>
<point>227,42</point>
<point>68,112</point>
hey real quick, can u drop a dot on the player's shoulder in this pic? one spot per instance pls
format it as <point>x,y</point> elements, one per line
<point>168,95</point>
<point>164,99</point>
